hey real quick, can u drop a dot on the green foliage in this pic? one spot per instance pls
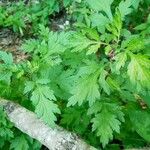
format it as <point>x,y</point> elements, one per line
<point>44,107</point>
<point>141,128</point>
<point>139,70</point>
<point>75,119</point>
<point>120,59</point>
<point>90,93</point>
<point>19,16</point>
<point>79,42</point>
<point>126,7</point>
<point>19,143</point>
<point>5,129</point>
<point>24,142</point>
<point>116,26</point>
<point>10,138</point>
<point>6,67</point>
<point>88,82</point>
<point>92,78</point>
<point>108,118</point>
<point>102,6</point>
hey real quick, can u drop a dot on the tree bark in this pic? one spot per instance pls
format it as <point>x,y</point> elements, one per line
<point>53,139</point>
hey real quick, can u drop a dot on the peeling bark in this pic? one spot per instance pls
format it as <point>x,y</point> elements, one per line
<point>53,139</point>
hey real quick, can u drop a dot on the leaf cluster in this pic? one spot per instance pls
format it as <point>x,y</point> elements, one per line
<point>92,78</point>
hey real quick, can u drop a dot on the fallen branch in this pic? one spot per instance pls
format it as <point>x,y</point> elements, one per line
<point>53,139</point>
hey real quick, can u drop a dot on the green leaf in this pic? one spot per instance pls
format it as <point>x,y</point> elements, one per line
<point>108,49</point>
<point>100,21</point>
<point>93,49</point>
<point>126,7</point>
<point>115,26</point>
<point>103,83</point>
<point>113,84</point>
<point>108,118</point>
<point>141,123</point>
<point>139,70</point>
<point>5,75</point>
<point>136,3</point>
<point>120,59</point>
<point>100,5</point>
<point>53,43</point>
<point>57,42</point>
<point>135,44</point>
<point>30,45</point>
<point>6,66</point>
<point>44,32</point>
<point>45,108</point>
<point>86,89</point>
<point>78,120</point>
<point>19,143</point>
<point>91,33</point>
<point>7,58</point>
<point>61,82</point>
<point>6,132</point>
<point>79,42</point>
<point>66,2</point>
<point>89,68</point>
<point>145,97</point>
<point>29,86</point>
